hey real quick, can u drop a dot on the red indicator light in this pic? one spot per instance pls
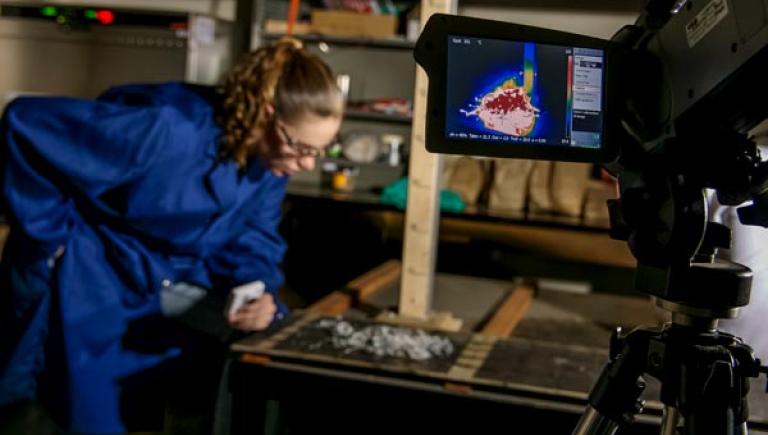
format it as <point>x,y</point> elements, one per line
<point>105,16</point>
<point>178,26</point>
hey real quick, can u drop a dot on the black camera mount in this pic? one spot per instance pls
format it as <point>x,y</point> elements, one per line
<point>671,99</point>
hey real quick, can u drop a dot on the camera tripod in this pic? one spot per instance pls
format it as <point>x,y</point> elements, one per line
<point>704,372</point>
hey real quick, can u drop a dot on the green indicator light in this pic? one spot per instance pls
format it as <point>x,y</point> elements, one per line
<point>334,151</point>
<point>48,11</point>
<point>61,19</point>
<point>91,14</point>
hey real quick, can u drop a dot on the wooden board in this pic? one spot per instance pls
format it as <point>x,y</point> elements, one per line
<point>510,312</point>
<point>423,208</point>
<point>335,303</point>
<point>573,244</point>
<point>359,289</point>
<point>377,279</point>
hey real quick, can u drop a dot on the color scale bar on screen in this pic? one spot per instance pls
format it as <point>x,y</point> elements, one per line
<point>569,99</point>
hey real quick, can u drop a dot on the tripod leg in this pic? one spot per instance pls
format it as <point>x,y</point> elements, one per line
<point>710,402</point>
<point>593,423</point>
<point>615,398</point>
<point>670,421</point>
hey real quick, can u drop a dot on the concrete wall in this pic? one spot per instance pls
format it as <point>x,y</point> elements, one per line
<point>375,73</point>
<point>592,22</point>
<point>37,57</point>
<point>589,21</point>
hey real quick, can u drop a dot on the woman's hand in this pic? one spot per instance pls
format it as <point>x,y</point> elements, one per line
<point>254,316</point>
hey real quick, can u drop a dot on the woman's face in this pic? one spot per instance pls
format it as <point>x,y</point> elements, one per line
<point>298,144</point>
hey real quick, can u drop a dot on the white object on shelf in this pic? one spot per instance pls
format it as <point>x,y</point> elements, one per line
<point>362,147</point>
<point>412,30</point>
<point>343,82</point>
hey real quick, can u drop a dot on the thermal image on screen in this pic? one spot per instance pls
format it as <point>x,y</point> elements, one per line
<point>509,108</point>
<point>522,92</point>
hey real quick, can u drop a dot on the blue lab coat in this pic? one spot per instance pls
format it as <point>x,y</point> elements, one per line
<point>109,200</point>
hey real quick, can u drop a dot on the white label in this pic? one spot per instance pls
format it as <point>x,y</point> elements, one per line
<point>705,21</point>
<point>205,30</point>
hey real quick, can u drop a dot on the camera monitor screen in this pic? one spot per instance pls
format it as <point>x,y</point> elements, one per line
<point>503,92</point>
<point>509,90</point>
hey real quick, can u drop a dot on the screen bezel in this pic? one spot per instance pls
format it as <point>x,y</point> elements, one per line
<point>431,53</point>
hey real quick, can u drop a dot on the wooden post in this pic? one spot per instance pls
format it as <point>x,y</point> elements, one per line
<point>422,212</point>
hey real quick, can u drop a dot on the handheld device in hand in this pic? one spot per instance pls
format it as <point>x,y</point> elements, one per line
<point>244,294</point>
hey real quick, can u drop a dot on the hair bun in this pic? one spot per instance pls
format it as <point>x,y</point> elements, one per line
<point>294,43</point>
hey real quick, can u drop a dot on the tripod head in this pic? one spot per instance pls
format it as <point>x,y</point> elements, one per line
<point>682,137</point>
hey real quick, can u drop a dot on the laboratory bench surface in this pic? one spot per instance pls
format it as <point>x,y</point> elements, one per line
<point>536,379</point>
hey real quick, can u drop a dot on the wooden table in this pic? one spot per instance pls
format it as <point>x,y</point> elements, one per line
<point>535,380</point>
<point>485,371</point>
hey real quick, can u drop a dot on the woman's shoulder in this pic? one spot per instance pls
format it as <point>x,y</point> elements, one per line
<point>135,121</point>
<point>188,99</point>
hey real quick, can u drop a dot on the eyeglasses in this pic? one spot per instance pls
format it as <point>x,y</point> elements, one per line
<point>303,150</point>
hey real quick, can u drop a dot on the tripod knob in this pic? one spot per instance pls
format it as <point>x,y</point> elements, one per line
<point>756,213</point>
<point>620,229</point>
<point>764,370</point>
<point>639,406</point>
<point>618,338</point>
<point>716,236</point>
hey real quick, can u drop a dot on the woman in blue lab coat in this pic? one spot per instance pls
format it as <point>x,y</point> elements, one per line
<point>114,200</point>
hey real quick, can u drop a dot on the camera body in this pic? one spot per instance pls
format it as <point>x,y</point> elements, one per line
<point>665,105</point>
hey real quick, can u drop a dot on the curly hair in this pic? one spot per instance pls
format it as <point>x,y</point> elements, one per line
<point>283,76</point>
